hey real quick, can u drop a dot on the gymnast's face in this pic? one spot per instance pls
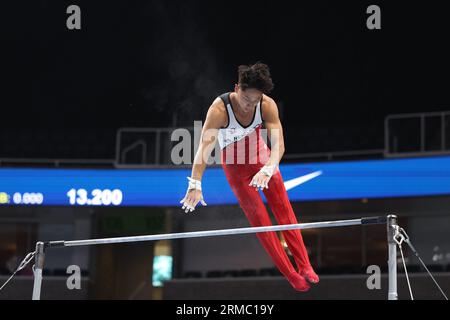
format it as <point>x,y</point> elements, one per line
<point>247,98</point>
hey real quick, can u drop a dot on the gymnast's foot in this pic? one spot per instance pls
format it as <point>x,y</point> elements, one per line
<point>298,282</point>
<point>309,274</point>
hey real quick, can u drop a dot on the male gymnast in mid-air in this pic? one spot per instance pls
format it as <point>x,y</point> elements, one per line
<point>236,119</point>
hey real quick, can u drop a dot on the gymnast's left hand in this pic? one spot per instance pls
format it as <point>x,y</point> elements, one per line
<point>261,180</point>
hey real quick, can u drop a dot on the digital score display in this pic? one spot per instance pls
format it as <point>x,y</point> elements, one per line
<point>96,197</point>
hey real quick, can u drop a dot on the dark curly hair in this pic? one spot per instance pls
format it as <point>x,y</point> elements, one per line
<point>255,76</point>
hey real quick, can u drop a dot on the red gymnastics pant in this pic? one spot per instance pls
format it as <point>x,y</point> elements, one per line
<point>239,177</point>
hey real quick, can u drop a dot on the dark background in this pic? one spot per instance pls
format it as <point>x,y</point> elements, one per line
<point>161,63</point>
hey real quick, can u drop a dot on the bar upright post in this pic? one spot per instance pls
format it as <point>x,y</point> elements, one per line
<point>392,256</point>
<point>37,270</point>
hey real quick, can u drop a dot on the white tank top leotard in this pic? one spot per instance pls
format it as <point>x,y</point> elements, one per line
<point>235,131</point>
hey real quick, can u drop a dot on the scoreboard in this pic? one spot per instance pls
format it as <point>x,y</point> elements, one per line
<point>427,176</point>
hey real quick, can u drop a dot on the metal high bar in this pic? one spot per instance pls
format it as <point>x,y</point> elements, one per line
<point>391,222</point>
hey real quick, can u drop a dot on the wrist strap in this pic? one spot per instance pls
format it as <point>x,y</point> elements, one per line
<point>268,170</point>
<point>194,184</point>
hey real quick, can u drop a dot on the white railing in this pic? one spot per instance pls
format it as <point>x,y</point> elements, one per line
<point>152,146</point>
<point>422,126</point>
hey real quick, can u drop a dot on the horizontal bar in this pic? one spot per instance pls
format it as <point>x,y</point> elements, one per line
<point>374,220</point>
<point>213,233</point>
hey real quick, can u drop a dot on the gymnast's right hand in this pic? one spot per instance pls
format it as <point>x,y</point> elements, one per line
<point>193,196</point>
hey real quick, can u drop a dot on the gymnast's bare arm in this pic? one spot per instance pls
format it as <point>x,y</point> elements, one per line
<point>215,119</point>
<point>275,133</point>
